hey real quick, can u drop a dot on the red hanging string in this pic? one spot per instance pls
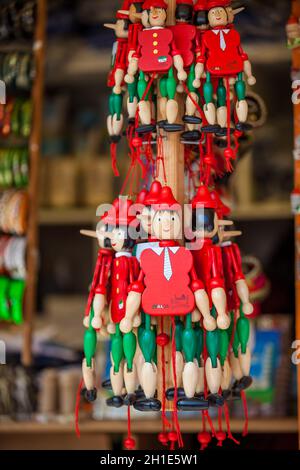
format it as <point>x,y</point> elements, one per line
<point>175,413</point>
<point>77,406</point>
<point>227,419</point>
<point>209,420</point>
<point>113,154</point>
<point>244,400</point>
<point>165,422</point>
<point>128,422</point>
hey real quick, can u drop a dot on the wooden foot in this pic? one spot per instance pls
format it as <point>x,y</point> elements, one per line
<point>145,112</point>
<point>210,113</point>
<point>88,374</point>
<point>226,376</point>
<point>235,367</point>
<point>245,362</point>
<point>190,378</point>
<point>172,111</point>
<point>130,378</point>
<point>200,380</point>
<point>149,379</point>
<point>222,116</point>
<point>242,110</point>
<point>179,363</point>
<point>213,375</point>
<point>131,108</point>
<point>116,379</point>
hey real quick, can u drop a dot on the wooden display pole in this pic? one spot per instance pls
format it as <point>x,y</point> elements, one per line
<point>174,167</point>
<point>296,66</point>
<point>34,151</point>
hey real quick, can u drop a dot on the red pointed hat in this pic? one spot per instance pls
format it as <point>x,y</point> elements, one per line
<point>201,5</point>
<point>203,198</point>
<point>222,210</point>
<point>118,214</point>
<point>166,200</point>
<point>185,2</point>
<point>153,195</point>
<point>218,3</point>
<point>155,3</point>
<point>142,196</point>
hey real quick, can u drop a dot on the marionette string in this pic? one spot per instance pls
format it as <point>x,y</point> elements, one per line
<point>165,421</point>
<point>113,154</point>
<point>77,406</point>
<point>229,166</point>
<point>227,419</point>
<point>175,413</point>
<point>244,400</point>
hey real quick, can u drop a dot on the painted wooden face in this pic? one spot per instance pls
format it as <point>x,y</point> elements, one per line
<point>118,236</point>
<point>166,225</point>
<point>104,236</point>
<point>205,223</point>
<point>146,219</point>
<point>217,17</point>
<point>157,16</point>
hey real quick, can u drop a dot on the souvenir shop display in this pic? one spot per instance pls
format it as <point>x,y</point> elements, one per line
<point>168,285</point>
<point>22,24</point>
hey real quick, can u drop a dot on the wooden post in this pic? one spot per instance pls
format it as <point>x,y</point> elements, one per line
<point>174,166</point>
<point>296,66</point>
<point>34,151</point>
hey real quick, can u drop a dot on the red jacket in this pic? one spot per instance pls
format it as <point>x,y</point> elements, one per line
<point>124,271</point>
<point>101,276</point>
<point>156,50</point>
<point>233,272</point>
<point>119,59</point>
<point>167,286</point>
<point>184,38</point>
<point>208,265</point>
<point>221,51</point>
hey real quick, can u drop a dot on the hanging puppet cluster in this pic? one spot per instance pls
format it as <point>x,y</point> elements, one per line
<point>201,57</point>
<point>178,308</point>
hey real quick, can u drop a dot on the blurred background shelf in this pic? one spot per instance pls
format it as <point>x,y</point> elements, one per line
<point>148,426</point>
<point>87,215</point>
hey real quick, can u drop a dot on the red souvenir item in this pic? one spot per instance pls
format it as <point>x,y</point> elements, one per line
<point>167,280</point>
<point>208,259</point>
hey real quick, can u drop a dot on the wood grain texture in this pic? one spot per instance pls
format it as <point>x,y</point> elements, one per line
<point>34,151</point>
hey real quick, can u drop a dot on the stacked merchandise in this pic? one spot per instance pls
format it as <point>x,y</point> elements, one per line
<point>178,315</point>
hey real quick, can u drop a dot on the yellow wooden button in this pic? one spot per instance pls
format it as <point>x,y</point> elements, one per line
<point>118,290</point>
<point>155,43</point>
<point>117,263</point>
<point>155,35</point>
<point>117,277</point>
<point>155,51</point>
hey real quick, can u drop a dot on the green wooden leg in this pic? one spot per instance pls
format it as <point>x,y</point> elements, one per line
<point>129,346</point>
<point>90,342</point>
<point>189,340</point>
<point>117,348</point>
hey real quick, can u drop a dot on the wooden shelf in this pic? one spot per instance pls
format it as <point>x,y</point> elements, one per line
<point>87,215</point>
<point>264,210</point>
<point>68,216</point>
<point>142,426</point>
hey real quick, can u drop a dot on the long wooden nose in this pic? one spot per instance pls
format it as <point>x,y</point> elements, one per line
<point>238,10</point>
<point>89,233</point>
<point>124,12</point>
<point>110,26</point>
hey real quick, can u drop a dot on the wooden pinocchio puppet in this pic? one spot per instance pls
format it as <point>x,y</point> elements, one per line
<point>167,286</point>
<point>156,56</point>
<point>238,302</point>
<point>115,81</point>
<point>94,311</point>
<point>221,57</point>
<point>208,265</point>
<point>124,271</point>
<point>134,14</point>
